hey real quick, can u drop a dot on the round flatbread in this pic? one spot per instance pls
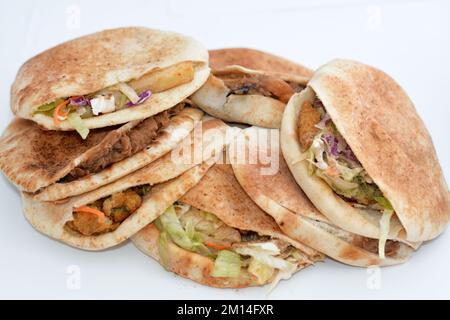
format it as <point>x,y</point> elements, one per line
<point>256,60</point>
<point>220,194</point>
<point>101,60</point>
<point>165,181</point>
<point>267,180</point>
<point>381,126</point>
<point>39,161</point>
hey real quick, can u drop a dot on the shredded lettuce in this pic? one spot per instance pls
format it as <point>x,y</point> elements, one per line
<point>76,121</point>
<point>385,203</point>
<point>129,92</point>
<point>333,161</point>
<point>227,264</point>
<point>338,184</point>
<point>163,247</point>
<point>384,232</point>
<point>348,174</point>
<point>209,226</point>
<point>121,101</point>
<point>260,270</point>
<point>191,241</point>
<point>46,108</point>
<point>265,256</point>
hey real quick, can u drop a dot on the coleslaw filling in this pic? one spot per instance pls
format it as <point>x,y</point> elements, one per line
<point>117,97</point>
<point>331,159</point>
<point>235,252</point>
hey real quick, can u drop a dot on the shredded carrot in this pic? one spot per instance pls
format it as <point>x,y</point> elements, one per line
<point>87,209</point>
<point>218,246</point>
<point>332,171</point>
<point>59,112</point>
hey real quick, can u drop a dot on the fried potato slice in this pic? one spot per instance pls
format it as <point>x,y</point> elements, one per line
<point>159,80</point>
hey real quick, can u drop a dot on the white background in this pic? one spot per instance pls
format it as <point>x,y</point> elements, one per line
<point>408,39</point>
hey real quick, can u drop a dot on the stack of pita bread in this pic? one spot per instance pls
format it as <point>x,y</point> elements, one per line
<point>232,168</point>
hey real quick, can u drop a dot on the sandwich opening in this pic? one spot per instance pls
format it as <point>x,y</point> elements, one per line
<point>106,214</point>
<point>242,83</point>
<point>120,96</point>
<point>236,252</point>
<point>391,248</point>
<point>117,146</point>
<point>332,160</point>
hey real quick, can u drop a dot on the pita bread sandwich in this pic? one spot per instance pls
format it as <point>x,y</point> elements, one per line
<point>256,60</point>
<point>273,188</point>
<point>249,86</point>
<point>60,164</point>
<point>217,236</point>
<point>357,147</point>
<point>108,78</point>
<point>111,214</point>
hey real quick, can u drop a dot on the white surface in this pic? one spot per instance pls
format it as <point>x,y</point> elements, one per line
<point>408,39</point>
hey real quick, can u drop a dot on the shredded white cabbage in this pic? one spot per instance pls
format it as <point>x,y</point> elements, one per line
<point>318,148</point>
<point>264,254</point>
<point>76,121</point>
<point>270,247</point>
<point>128,91</point>
<point>347,173</point>
<point>266,257</point>
<point>337,182</point>
<point>260,270</point>
<point>385,222</point>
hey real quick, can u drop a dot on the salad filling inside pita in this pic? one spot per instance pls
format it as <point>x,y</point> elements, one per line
<point>216,235</point>
<point>278,194</point>
<point>365,170</point>
<point>117,97</point>
<point>235,252</point>
<point>331,159</point>
<point>107,78</point>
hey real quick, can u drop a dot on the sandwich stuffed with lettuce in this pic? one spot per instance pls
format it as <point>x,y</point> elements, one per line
<point>108,78</point>
<point>357,147</point>
<point>269,183</point>
<point>217,236</point>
